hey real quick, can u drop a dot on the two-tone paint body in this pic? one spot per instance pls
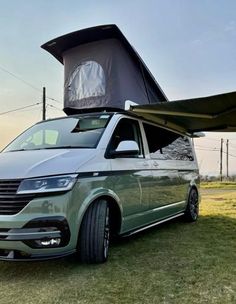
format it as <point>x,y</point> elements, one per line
<point>141,191</point>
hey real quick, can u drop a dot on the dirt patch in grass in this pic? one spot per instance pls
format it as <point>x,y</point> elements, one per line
<point>219,199</point>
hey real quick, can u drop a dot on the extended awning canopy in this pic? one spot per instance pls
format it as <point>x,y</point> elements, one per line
<point>213,113</point>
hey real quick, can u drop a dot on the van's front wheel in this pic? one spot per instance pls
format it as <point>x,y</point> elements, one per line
<point>94,234</point>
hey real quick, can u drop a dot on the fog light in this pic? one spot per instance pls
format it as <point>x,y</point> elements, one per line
<point>49,242</point>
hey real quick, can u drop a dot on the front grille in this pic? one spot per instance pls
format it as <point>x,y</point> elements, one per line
<point>8,187</point>
<point>10,202</point>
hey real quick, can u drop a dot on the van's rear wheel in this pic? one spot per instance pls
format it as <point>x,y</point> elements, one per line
<point>95,233</point>
<point>192,210</point>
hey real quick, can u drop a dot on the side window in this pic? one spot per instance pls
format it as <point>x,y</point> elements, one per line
<point>167,145</point>
<point>127,129</point>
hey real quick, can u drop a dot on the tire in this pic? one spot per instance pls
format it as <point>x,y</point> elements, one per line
<point>192,209</point>
<point>95,233</point>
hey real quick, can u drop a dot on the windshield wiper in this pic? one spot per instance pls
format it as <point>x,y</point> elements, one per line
<point>18,150</point>
<point>75,130</point>
<point>50,148</point>
<point>61,147</point>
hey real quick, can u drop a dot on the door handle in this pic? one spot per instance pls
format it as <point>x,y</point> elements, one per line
<point>145,164</point>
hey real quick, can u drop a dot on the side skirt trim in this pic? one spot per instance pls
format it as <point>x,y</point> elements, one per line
<point>126,234</point>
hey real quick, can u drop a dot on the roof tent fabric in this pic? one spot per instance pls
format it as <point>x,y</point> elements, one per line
<point>213,113</point>
<point>102,70</point>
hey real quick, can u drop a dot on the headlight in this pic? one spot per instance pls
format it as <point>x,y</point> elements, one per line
<point>47,184</point>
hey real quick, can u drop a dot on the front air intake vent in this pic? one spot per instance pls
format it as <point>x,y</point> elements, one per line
<point>10,202</point>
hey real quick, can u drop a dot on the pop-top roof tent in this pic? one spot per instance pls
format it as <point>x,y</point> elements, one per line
<point>102,70</point>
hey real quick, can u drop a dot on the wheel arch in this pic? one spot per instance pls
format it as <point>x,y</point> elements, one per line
<point>115,212</point>
<point>193,185</point>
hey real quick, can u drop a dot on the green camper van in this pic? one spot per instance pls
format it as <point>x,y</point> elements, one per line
<point>68,185</point>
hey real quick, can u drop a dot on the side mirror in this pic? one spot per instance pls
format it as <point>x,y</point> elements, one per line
<point>125,148</point>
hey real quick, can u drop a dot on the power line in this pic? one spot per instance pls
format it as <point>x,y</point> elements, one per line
<point>27,83</point>
<point>52,106</point>
<point>29,109</point>
<point>53,99</point>
<point>212,150</point>
<point>20,79</point>
<point>18,109</point>
<point>229,154</point>
<point>200,146</point>
<point>209,138</point>
<point>206,148</point>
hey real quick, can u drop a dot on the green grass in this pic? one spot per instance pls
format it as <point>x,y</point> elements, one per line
<point>174,263</point>
<point>218,185</point>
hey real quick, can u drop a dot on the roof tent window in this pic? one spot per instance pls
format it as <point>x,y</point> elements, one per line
<point>87,80</point>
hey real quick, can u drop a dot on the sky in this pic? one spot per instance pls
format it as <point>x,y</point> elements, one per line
<point>188,45</point>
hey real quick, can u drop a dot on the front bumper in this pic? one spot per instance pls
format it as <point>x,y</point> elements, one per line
<point>39,233</point>
<point>15,255</point>
<point>44,220</point>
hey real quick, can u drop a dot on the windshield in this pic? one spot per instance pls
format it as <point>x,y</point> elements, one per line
<point>71,132</point>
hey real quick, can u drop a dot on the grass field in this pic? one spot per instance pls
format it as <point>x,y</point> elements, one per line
<point>218,185</point>
<point>174,263</point>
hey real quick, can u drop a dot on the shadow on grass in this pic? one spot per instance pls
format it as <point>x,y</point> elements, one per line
<point>180,242</point>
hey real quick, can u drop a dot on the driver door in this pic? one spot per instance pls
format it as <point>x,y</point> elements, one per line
<point>132,174</point>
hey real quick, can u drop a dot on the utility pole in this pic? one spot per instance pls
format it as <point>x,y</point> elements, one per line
<point>44,103</point>
<point>221,154</point>
<point>227,158</point>
<point>192,141</point>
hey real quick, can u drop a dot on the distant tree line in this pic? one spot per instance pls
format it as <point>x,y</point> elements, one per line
<point>216,178</point>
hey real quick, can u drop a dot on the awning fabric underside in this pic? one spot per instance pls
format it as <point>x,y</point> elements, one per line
<point>213,113</point>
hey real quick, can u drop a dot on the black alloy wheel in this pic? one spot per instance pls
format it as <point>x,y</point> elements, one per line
<point>192,210</point>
